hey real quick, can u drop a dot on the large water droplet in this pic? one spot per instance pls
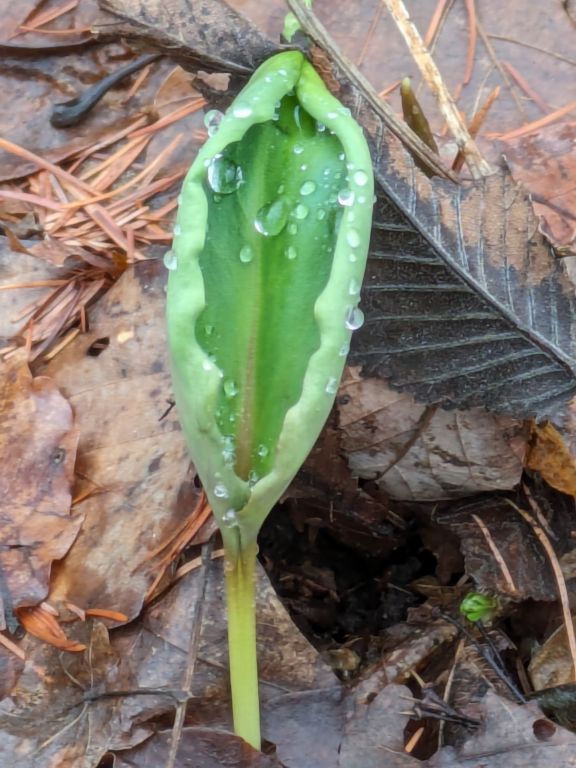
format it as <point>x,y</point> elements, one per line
<point>291,252</point>
<point>246,254</point>
<point>170,260</point>
<point>360,178</point>
<point>346,197</point>
<point>271,219</point>
<point>230,388</point>
<point>354,318</point>
<point>307,188</point>
<point>212,120</point>
<point>242,110</point>
<point>262,451</point>
<point>353,238</point>
<point>224,176</point>
<point>220,491</point>
<point>301,211</point>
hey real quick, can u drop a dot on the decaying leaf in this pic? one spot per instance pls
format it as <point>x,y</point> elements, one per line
<point>134,486</point>
<point>417,453</point>
<point>465,304</point>
<point>549,454</point>
<point>37,452</point>
<point>207,33</point>
<point>501,550</point>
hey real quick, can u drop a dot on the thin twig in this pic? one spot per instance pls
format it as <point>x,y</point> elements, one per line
<point>478,166</point>
<point>472,35</point>
<point>542,537</point>
<point>411,142</point>
<point>512,589</point>
<point>192,655</point>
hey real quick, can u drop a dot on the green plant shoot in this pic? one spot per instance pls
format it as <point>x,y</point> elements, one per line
<point>269,251</point>
<point>478,607</point>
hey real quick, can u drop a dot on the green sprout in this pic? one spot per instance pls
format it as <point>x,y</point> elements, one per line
<point>269,252</point>
<point>478,607</point>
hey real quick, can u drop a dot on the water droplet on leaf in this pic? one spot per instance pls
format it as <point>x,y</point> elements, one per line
<point>262,451</point>
<point>307,188</point>
<point>220,491</point>
<point>177,230</point>
<point>230,518</point>
<point>246,254</point>
<point>354,318</point>
<point>230,388</point>
<point>224,176</point>
<point>212,120</point>
<point>353,238</point>
<point>354,287</point>
<point>291,252</point>
<point>301,211</point>
<point>331,386</point>
<point>297,149</point>
<point>346,197</point>
<point>344,349</point>
<point>242,111</point>
<point>170,260</point>
<point>271,219</point>
<point>360,178</point>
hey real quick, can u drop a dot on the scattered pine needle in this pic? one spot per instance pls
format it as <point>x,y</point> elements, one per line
<point>524,86</point>
<point>12,647</point>
<point>536,125</point>
<point>472,37</point>
<point>542,537</point>
<point>88,212</point>
<point>505,571</point>
<point>421,55</point>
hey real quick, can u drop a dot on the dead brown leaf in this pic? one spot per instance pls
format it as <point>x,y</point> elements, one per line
<point>132,466</point>
<point>419,454</point>
<point>37,453</point>
<point>549,455</point>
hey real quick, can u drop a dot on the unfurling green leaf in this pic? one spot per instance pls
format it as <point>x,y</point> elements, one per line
<point>269,253</point>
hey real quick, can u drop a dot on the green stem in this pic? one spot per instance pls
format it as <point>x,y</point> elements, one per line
<point>240,590</point>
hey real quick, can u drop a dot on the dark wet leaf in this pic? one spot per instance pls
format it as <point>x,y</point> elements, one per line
<point>501,550</point>
<point>208,33</point>
<point>465,304</point>
<point>199,748</point>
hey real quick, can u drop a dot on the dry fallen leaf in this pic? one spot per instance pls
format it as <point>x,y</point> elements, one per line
<point>549,455</point>
<point>37,453</point>
<point>419,454</point>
